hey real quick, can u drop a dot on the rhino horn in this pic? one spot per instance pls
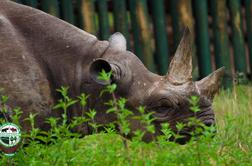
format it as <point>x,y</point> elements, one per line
<point>210,85</point>
<point>180,69</point>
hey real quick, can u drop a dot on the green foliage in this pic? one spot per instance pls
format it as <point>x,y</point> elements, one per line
<point>194,104</point>
<point>62,146</point>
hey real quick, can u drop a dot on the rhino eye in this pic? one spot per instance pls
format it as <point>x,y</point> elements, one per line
<point>161,108</point>
<point>162,111</point>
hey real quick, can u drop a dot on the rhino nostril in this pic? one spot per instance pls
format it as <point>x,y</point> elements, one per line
<point>209,122</point>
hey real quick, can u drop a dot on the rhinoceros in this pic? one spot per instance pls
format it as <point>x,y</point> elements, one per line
<point>40,53</point>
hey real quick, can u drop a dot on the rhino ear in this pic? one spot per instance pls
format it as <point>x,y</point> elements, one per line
<point>101,64</point>
<point>210,85</point>
<point>120,73</point>
<point>118,42</point>
<point>96,68</point>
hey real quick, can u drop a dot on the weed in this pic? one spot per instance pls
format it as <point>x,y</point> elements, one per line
<point>61,146</point>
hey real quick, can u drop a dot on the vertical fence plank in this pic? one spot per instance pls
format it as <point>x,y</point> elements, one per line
<point>181,17</point>
<point>202,37</point>
<point>145,33</point>
<point>32,3</point>
<point>248,8</point>
<point>121,19</point>
<point>161,41</point>
<point>175,23</point>
<point>237,36</point>
<point>51,7</point>
<point>135,30</point>
<point>102,8</point>
<point>67,11</point>
<point>86,15</point>
<point>221,44</point>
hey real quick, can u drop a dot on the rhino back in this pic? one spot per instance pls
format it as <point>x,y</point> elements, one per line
<point>39,53</point>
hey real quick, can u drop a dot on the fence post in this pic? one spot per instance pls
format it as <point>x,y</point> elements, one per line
<point>67,11</point>
<point>237,37</point>
<point>51,7</point>
<point>102,8</point>
<point>248,8</point>
<point>86,15</point>
<point>161,41</point>
<point>175,23</point>
<point>32,3</point>
<point>121,19</point>
<point>181,17</point>
<point>136,30</point>
<point>145,33</point>
<point>202,37</point>
<point>221,44</point>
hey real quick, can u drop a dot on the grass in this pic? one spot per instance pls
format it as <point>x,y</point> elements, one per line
<point>232,144</point>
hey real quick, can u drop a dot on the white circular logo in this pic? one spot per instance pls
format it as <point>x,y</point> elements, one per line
<point>10,135</point>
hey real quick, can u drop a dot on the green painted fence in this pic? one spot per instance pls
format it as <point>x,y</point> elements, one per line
<point>222,29</point>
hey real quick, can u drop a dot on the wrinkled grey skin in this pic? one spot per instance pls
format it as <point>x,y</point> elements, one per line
<point>39,53</point>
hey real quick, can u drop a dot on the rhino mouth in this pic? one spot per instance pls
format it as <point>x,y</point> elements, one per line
<point>207,118</point>
<point>189,132</point>
<point>204,118</point>
<point>186,136</point>
<point>208,122</point>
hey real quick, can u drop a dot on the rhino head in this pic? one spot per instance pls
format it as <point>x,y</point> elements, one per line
<point>166,96</point>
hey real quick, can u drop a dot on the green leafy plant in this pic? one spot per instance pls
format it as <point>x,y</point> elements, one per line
<point>4,109</point>
<point>61,146</point>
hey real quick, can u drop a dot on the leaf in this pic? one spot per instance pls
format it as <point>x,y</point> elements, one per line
<point>91,114</point>
<point>102,92</point>
<point>141,109</point>
<point>71,102</point>
<point>109,103</point>
<point>41,138</point>
<point>4,99</point>
<point>83,99</point>
<point>59,105</point>
<point>180,126</point>
<point>103,75</point>
<point>151,129</point>
<point>111,110</point>
<point>111,88</point>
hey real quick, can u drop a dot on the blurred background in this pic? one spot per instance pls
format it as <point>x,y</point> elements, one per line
<point>153,29</point>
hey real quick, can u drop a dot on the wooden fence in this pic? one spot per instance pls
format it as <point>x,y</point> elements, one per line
<point>153,28</point>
